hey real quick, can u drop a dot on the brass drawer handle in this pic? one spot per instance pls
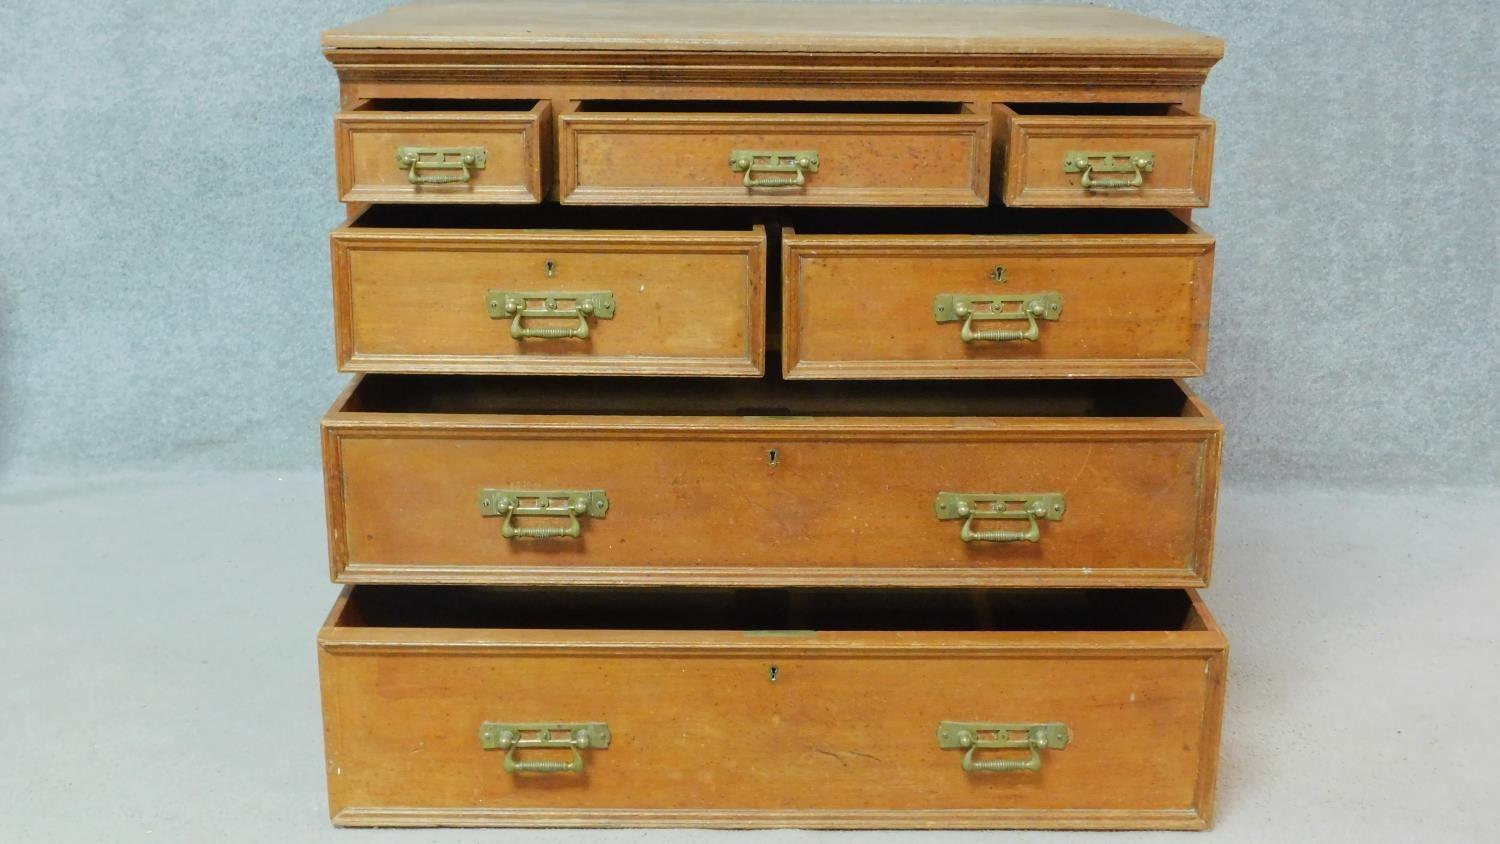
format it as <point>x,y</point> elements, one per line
<point>572,505</point>
<point>1138,162</point>
<point>519,306</point>
<point>951,307</point>
<point>973,736</point>
<point>988,506</point>
<point>463,159</point>
<point>800,162</point>
<point>512,737</point>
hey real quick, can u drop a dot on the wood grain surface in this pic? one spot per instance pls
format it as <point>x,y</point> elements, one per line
<point>415,300</point>
<point>640,157</point>
<point>845,735</point>
<point>861,305</point>
<point>767,499</point>
<point>674,25</point>
<point>516,146</point>
<point>1036,147</point>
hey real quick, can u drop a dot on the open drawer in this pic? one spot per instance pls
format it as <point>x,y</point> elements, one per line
<point>756,708</point>
<point>441,151</point>
<point>777,153</point>
<point>994,294</point>
<point>608,481</point>
<point>549,291</point>
<point>1132,155</point>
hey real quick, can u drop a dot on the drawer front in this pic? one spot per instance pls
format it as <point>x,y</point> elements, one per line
<point>740,500</point>
<point>443,157</point>
<point>645,158</point>
<point>827,729</point>
<point>872,306</point>
<point>427,300</point>
<point>1043,167</point>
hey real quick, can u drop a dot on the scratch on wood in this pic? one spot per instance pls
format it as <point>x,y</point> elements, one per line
<point>839,755</point>
<point>1082,466</point>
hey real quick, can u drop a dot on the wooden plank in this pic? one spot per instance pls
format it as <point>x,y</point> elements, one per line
<point>824,499</point>
<point>516,145</point>
<point>676,25</point>
<point>636,158</point>
<point>415,300</point>
<point>861,306</point>
<point>843,737</point>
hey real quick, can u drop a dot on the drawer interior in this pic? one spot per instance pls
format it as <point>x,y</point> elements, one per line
<point>554,216</point>
<point>994,220</point>
<point>413,104</point>
<point>771,107</point>
<point>770,610</point>
<point>770,397</point>
<point>1096,109</point>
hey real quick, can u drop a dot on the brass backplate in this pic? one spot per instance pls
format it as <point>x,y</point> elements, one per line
<point>540,502</point>
<point>773,161</point>
<point>504,304</point>
<point>448,158</point>
<point>987,734</point>
<point>503,735</point>
<point>1018,505</point>
<point>952,307</point>
<point>1127,161</point>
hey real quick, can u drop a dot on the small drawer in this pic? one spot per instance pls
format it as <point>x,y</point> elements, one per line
<point>838,708</point>
<point>749,153</point>
<point>1039,294</point>
<point>1104,156</point>
<point>549,290</point>
<point>613,481</point>
<point>444,151</point>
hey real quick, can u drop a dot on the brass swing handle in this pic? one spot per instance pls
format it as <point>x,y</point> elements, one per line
<point>513,737</point>
<point>519,306</point>
<point>463,159</point>
<point>1000,506</point>
<point>799,162</point>
<point>951,307</point>
<point>1136,162</point>
<point>973,736</point>
<point>572,505</point>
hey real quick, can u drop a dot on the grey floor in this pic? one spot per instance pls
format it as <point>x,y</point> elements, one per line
<point>158,681</point>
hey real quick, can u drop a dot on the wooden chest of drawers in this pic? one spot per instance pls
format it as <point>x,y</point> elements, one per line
<point>765,415</point>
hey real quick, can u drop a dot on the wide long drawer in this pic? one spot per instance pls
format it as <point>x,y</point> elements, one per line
<point>753,708</point>
<point>748,153</point>
<point>599,481</point>
<point>545,291</point>
<point>1039,294</point>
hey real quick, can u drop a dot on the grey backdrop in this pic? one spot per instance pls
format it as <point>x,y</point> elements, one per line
<point>168,189</point>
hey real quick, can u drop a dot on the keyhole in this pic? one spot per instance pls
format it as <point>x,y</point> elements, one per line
<point>551,269</point>
<point>775,672</point>
<point>774,457</point>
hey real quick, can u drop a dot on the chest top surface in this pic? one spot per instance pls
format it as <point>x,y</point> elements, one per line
<point>753,26</point>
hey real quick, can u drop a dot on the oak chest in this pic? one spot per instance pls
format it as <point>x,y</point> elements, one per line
<point>769,414</point>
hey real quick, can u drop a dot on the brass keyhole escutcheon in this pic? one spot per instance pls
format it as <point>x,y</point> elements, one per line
<point>551,267</point>
<point>773,457</point>
<point>775,672</point>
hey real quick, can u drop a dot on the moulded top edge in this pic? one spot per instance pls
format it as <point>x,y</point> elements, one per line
<point>773,26</point>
